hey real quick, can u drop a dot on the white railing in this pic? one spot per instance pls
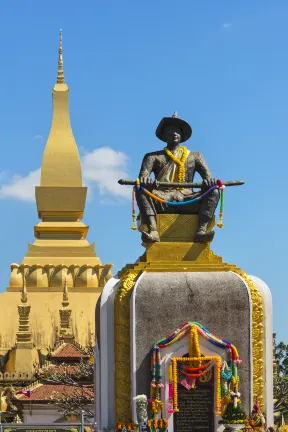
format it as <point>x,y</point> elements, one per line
<point>48,426</point>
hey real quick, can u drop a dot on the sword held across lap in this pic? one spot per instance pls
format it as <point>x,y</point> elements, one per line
<point>182,185</point>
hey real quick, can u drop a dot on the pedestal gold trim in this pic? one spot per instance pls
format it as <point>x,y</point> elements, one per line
<point>123,412</point>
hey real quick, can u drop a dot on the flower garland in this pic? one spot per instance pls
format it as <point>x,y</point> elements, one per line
<point>170,409</point>
<point>196,369</point>
<point>175,385</point>
<point>226,375</point>
<point>216,359</point>
<point>194,342</point>
<point>157,406</point>
<point>128,427</point>
<point>160,423</point>
<point>194,329</point>
<point>134,215</point>
<point>181,172</point>
<point>183,371</point>
<point>156,371</point>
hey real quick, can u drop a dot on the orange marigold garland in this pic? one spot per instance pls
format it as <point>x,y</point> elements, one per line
<point>175,384</point>
<point>218,384</point>
<point>128,427</point>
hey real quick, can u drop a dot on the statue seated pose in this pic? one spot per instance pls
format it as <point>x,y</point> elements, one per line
<point>175,163</point>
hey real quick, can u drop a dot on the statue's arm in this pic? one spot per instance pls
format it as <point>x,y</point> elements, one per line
<point>201,167</point>
<point>147,166</point>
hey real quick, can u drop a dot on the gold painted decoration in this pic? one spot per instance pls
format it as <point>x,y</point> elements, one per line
<point>257,337</point>
<point>207,377</point>
<point>123,411</point>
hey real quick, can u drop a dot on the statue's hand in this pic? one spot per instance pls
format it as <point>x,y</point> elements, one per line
<point>148,182</point>
<point>208,183</point>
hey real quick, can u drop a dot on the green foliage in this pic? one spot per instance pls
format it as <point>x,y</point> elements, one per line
<point>234,415</point>
<point>280,382</point>
<point>281,356</point>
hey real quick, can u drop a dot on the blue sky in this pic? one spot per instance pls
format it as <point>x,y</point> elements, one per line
<point>222,65</point>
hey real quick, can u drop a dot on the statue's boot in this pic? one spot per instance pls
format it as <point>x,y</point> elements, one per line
<point>150,237</point>
<point>202,236</point>
<point>153,235</point>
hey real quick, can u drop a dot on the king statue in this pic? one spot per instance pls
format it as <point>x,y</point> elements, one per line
<point>175,163</point>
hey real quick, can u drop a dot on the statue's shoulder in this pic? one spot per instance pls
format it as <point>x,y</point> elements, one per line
<point>154,154</point>
<point>195,155</point>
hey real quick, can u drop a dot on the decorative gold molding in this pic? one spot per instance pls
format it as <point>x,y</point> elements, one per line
<point>257,337</point>
<point>48,277</point>
<point>123,411</point>
<point>206,262</point>
<point>24,334</point>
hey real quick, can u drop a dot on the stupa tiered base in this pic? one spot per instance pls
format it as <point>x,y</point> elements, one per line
<point>177,281</point>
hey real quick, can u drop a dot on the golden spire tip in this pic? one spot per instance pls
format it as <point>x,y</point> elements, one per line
<point>60,74</point>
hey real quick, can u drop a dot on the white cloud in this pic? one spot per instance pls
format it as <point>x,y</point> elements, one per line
<point>21,188</point>
<point>37,137</point>
<point>102,168</point>
<point>226,25</point>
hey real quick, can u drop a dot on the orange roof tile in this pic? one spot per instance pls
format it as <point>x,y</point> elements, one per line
<point>43,393</point>
<point>67,350</point>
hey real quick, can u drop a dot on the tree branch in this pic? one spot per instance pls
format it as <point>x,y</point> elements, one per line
<point>77,401</point>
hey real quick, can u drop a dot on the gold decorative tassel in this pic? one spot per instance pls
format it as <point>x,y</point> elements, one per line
<point>134,223</point>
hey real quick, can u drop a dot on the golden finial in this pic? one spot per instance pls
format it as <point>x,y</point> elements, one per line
<point>17,419</point>
<point>60,74</point>
<point>65,301</point>
<point>175,114</point>
<point>24,291</point>
<point>66,333</point>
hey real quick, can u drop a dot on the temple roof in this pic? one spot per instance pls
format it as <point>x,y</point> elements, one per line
<point>42,393</point>
<point>68,351</point>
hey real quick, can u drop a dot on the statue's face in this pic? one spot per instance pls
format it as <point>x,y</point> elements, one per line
<point>173,135</point>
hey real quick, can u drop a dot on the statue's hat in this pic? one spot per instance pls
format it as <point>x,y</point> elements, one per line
<point>174,121</point>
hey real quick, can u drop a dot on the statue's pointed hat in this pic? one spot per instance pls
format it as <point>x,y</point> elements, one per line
<point>174,121</point>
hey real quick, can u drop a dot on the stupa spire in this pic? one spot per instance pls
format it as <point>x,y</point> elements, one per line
<point>60,74</point>
<point>61,165</point>
<point>61,235</point>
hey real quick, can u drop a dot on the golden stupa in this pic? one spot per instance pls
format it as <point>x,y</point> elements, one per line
<point>60,255</point>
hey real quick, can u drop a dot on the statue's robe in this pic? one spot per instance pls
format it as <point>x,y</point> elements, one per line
<point>165,170</point>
